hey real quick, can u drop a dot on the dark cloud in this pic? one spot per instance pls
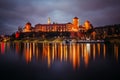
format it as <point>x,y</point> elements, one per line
<point>14,13</point>
<point>92,5</point>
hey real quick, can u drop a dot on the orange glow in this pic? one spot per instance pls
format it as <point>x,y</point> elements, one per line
<point>55,50</point>
<point>86,55</point>
<point>87,25</point>
<point>28,26</point>
<point>59,53</point>
<point>75,23</point>
<point>28,56</point>
<point>94,51</point>
<point>2,48</point>
<point>82,46</point>
<point>98,46</point>
<point>88,48</point>
<point>17,35</point>
<point>65,53</point>
<point>27,52</point>
<point>46,53</point>
<point>75,55</point>
<point>33,48</point>
<point>78,55</point>
<point>86,59</point>
<point>62,52</point>
<point>104,50</point>
<point>49,59</point>
<point>73,26</point>
<point>53,53</point>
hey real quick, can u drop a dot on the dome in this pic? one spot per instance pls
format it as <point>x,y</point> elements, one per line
<point>28,23</point>
<point>75,17</point>
<point>87,21</point>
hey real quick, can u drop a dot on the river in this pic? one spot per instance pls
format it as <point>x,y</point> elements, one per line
<point>59,61</point>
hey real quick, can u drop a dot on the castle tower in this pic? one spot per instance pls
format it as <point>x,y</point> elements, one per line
<point>27,27</point>
<point>49,21</point>
<point>75,23</point>
<point>87,25</point>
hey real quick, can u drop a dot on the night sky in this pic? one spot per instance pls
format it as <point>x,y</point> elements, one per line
<point>14,13</point>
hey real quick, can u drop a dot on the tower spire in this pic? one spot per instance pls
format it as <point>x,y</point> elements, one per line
<point>49,21</point>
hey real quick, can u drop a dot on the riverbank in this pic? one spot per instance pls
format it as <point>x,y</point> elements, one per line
<point>114,41</point>
<point>57,40</point>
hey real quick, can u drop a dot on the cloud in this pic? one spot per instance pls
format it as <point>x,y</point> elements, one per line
<point>14,13</point>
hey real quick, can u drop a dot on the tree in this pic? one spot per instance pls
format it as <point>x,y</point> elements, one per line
<point>19,29</point>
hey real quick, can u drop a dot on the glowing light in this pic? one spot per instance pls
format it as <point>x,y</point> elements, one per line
<point>94,50</point>
<point>88,47</point>
<point>98,46</point>
<point>86,55</point>
<point>28,55</point>
<point>62,52</point>
<point>104,50</point>
<point>48,55</point>
<point>53,52</point>
<point>2,47</point>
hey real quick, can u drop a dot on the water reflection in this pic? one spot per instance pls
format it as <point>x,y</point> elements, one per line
<point>2,48</point>
<point>74,53</point>
<point>116,52</point>
<point>104,50</point>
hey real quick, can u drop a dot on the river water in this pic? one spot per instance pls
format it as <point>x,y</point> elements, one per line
<point>59,61</point>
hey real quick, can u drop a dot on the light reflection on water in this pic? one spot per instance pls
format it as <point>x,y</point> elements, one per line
<point>74,53</point>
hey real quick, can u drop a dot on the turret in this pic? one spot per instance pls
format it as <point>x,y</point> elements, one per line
<point>28,26</point>
<point>76,21</point>
<point>87,25</point>
<point>75,24</point>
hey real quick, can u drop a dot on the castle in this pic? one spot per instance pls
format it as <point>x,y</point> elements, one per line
<point>57,27</point>
<point>53,30</point>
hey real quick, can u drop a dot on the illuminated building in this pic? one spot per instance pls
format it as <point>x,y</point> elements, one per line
<point>58,27</point>
<point>28,27</point>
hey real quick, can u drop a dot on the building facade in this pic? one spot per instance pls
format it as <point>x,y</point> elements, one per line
<point>57,27</point>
